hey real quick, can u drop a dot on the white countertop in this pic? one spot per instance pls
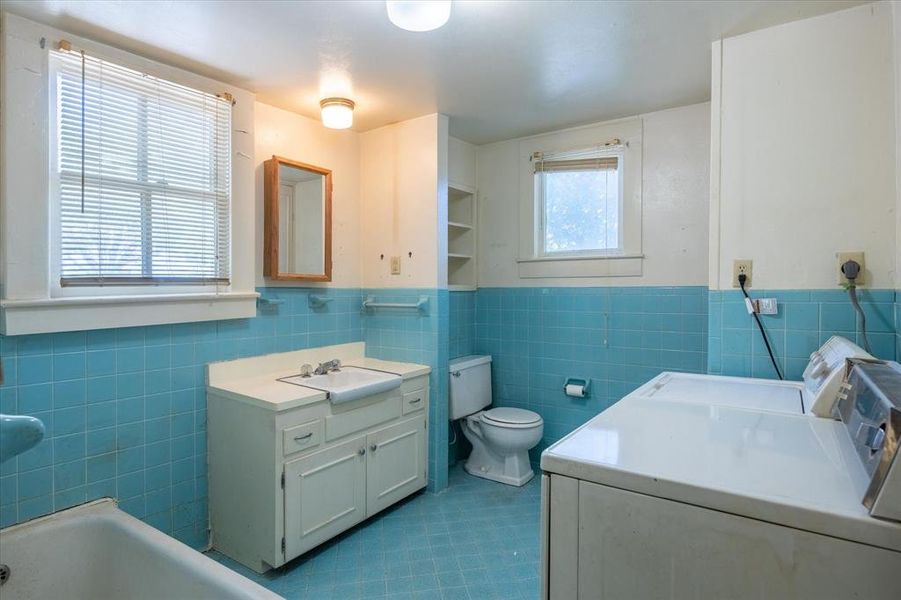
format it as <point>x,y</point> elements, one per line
<point>267,392</point>
<point>794,470</point>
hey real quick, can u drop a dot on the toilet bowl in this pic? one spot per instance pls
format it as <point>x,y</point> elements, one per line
<point>501,437</point>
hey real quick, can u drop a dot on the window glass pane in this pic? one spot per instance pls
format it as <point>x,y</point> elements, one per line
<point>143,176</point>
<point>581,210</point>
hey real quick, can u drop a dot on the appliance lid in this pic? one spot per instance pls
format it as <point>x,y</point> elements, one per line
<point>467,362</point>
<point>513,416</point>
<point>753,394</point>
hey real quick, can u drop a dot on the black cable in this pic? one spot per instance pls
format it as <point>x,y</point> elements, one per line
<point>741,283</point>
<point>852,293</point>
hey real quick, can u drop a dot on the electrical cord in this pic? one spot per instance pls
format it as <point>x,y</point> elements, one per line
<point>851,270</point>
<point>741,283</point>
<point>852,293</point>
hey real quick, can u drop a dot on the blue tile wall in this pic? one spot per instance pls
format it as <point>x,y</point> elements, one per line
<point>618,336</point>
<point>406,335</point>
<point>806,319</point>
<point>462,324</point>
<point>897,324</point>
<point>125,409</point>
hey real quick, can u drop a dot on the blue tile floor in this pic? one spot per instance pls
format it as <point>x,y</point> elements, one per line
<point>478,539</point>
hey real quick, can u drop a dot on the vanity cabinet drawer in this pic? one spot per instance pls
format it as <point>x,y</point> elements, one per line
<point>353,419</point>
<point>415,400</point>
<point>301,437</point>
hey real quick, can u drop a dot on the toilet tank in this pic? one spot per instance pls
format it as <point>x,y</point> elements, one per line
<point>470,385</point>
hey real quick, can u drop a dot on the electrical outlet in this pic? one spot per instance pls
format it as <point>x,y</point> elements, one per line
<point>395,265</point>
<point>741,267</point>
<point>843,257</point>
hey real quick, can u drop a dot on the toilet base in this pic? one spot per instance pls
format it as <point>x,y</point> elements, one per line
<point>518,473</point>
<point>501,478</point>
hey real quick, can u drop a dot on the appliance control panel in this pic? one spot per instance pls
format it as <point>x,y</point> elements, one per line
<point>870,408</point>
<point>824,372</point>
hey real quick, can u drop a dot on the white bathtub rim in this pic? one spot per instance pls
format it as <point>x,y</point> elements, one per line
<point>107,508</point>
<point>100,507</point>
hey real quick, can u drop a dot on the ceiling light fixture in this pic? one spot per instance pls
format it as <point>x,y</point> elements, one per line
<point>419,15</point>
<point>337,113</point>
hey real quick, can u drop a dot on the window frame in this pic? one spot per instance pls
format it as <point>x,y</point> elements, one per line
<point>541,208</point>
<point>626,261</point>
<point>29,302</point>
<point>90,288</point>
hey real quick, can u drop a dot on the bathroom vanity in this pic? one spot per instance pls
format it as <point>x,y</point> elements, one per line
<point>290,466</point>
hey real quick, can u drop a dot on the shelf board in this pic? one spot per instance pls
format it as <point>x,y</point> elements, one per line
<point>457,287</point>
<point>459,256</point>
<point>458,225</point>
<point>455,195</point>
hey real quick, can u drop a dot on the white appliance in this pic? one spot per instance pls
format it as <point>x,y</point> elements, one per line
<point>815,395</point>
<point>722,488</point>
<point>501,437</point>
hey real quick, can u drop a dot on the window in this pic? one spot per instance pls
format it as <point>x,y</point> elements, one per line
<point>580,202</point>
<point>141,177</point>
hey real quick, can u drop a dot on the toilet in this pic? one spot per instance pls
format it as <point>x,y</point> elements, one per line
<point>501,437</point>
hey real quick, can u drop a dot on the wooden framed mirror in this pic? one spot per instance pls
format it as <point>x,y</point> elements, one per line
<point>298,221</point>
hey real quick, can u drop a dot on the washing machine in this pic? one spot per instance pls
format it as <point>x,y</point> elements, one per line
<point>708,487</point>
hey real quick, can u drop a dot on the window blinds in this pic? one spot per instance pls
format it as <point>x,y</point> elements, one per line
<point>600,158</point>
<point>142,177</point>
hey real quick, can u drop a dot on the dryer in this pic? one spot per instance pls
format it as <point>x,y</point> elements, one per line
<point>711,487</point>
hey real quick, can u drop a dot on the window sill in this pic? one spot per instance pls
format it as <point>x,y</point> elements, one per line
<point>550,267</point>
<point>51,315</point>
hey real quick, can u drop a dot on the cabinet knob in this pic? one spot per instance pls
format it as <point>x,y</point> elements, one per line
<point>373,447</point>
<point>361,451</point>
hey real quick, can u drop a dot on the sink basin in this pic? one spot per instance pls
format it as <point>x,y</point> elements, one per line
<point>349,384</point>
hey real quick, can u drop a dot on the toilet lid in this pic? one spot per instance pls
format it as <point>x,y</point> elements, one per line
<point>514,416</point>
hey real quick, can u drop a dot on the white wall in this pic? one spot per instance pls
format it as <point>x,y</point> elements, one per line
<point>282,133</point>
<point>403,170</point>
<point>803,150</point>
<point>896,12</point>
<point>461,163</point>
<point>675,174</point>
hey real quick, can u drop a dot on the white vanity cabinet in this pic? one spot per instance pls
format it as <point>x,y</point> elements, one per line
<point>330,490</point>
<point>289,470</point>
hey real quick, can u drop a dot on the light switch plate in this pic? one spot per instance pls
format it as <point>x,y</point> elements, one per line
<point>767,306</point>
<point>395,265</point>
<point>843,257</point>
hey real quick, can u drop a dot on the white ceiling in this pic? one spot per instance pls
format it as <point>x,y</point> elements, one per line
<point>498,69</point>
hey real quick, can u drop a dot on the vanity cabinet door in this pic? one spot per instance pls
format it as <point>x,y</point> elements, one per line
<point>325,493</point>
<point>395,465</point>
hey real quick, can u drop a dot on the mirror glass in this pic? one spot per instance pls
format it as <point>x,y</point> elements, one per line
<point>301,220</point>
<point>298,215</point>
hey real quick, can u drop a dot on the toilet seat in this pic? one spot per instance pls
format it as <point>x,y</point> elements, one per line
<point>512,418</point>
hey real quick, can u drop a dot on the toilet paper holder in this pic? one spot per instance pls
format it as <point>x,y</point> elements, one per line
<point>585,384</point>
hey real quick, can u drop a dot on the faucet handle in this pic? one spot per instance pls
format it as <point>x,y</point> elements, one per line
<point>336,364</point>
<point>306,370</point>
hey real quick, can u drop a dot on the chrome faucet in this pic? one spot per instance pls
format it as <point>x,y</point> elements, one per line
<point>328,367</point>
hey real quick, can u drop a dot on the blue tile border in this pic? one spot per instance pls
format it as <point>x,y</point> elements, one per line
<point>806,319</point>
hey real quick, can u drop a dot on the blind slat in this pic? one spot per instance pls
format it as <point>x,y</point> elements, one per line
<point>144,169</point>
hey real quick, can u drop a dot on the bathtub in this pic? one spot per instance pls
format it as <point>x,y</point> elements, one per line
<point>97,551</point>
